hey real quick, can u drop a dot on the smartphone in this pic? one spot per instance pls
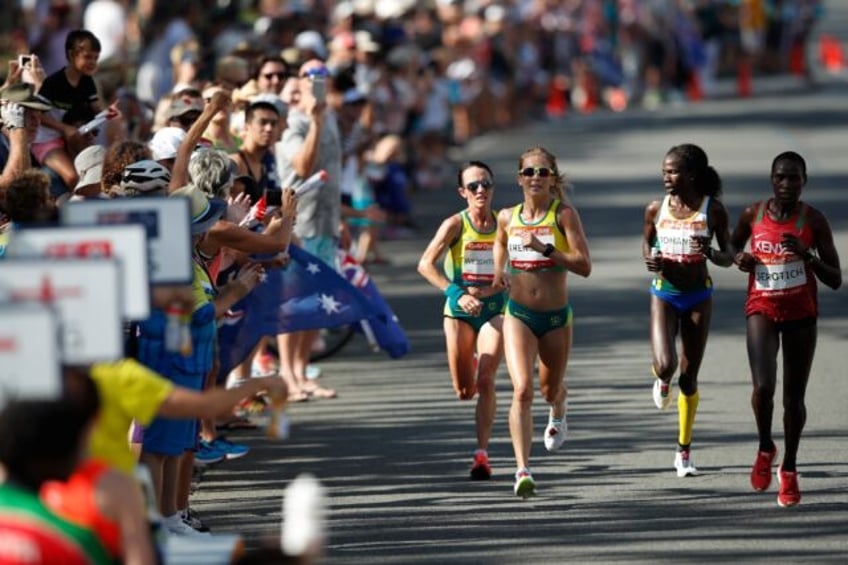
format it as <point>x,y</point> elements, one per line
<point>25,63</point>
<point>319,88</point>
<point>273,198</point>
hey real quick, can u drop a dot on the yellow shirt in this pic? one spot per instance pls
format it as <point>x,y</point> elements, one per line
<point>128,391</point>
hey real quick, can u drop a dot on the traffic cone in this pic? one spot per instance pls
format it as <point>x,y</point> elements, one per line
<point>797,65</point>
<point>693,88</point>
<point>743,78</point>
<point>585,96</point>
<point>557,103</point>
<point>616,99</point>
<point>830,53</point>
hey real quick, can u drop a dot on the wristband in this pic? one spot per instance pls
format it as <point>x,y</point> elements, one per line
<point>454,291</point>
<point>548,250</point>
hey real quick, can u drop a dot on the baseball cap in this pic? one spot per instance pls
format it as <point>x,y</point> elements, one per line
<point>183,105</point>
<point>204,211</point>
<point>89,166</point>
<point>165,143</point>
<point>353,96</point>
<point>273,100</point>
<point>24,94</point>
<point>311,40</point>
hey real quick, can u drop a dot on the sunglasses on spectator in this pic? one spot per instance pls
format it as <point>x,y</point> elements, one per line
<point>279,74</point>
<point>315,72</point>
<point>475,184</point>
<point>542,172</point>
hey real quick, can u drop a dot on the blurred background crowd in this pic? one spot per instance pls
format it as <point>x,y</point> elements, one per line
<point>435,72</point>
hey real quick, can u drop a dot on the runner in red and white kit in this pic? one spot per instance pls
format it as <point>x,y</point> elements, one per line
<point>782,306</point>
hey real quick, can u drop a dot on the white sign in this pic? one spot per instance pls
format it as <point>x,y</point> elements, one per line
<point>86,295</point>
<point>29,352</point>
<point>167,221</point>
<point>127,243</point>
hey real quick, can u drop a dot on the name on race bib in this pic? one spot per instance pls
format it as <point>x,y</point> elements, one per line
<point>779,276</point>
<point>478,263</point>
<point>525,258</point>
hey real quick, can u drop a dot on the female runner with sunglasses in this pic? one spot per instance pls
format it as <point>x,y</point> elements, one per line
<point>542,239</point>
<point>473,309</point>
<point>677,232</point>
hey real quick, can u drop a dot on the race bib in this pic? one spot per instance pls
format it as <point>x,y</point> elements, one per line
<point>478,263</point>
<point>525,258</point>
<point>779,276</point>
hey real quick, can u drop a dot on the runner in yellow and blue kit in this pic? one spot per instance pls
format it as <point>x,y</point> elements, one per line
<point>677,235</point>
<point>543,239</point>
<point>473,308</point>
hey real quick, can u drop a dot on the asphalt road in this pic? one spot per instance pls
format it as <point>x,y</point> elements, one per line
<point>394,449</point>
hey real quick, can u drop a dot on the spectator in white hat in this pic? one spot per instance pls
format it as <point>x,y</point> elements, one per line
<point>89,167</point>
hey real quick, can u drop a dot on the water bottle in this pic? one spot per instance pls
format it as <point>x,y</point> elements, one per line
<point>312,183</point>
<point>173,329</point>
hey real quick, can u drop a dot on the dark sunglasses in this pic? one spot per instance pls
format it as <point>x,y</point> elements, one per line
<point>542,172</point>
<point>475,184</point>
<point>280,75</point>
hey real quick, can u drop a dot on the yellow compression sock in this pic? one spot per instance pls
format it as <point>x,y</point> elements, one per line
<point>687,406</point>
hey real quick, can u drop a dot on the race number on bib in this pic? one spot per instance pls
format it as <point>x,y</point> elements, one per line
<point>478,263</point>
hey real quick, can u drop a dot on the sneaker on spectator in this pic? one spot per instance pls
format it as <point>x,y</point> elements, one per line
<point>480,470</point>
<point>313,372</point>
<point>525,486</point>
<point>555,432</point>
<point>662,394</point>
<point>788,492</point>
<point>761,471</point>
<point>683,464</point>
<point>264,365</point>
<point>174,525</point>
<point>193,521</point>
<point>206,454</point>
<point>229,449</point>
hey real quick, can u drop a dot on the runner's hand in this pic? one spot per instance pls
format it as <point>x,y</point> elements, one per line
<point>745,261</point>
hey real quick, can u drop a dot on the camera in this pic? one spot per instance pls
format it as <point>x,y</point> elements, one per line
<point>273,198</point>
<point>25,64</point>
<point>319,88</point>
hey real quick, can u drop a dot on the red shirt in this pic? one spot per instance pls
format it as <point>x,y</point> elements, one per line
<point>782,286</point>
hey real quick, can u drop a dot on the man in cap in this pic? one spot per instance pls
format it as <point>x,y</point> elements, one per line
<point>184,110</point>
<point>20,113</point>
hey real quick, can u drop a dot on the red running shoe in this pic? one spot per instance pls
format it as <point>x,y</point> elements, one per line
<point>761,471</point>
<point>480,470</point>
<point>788,494</point>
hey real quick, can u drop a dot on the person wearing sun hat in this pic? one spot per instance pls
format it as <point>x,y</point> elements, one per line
<point>168,445</point>
<point>20,113</point>
<point>89,167</point>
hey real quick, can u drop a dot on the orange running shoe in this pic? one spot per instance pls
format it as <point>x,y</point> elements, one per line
<point>761,471</point>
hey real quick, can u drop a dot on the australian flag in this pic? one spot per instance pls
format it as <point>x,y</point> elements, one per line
<point>381,326</point>
<point>305,295</point>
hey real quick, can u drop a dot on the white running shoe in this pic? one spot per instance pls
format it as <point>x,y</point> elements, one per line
<point>683,464</point>
<point>175,526</point>
<point>662,394</point>
<point>555,432</point>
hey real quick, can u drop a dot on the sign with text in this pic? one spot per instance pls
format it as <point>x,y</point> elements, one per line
<point>167,222</point>
<point>30,367</point>
<point>85,293</point>
<point>127,243</point>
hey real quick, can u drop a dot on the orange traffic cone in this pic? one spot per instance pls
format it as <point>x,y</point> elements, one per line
<point>693,88</point>
<point>557,103</point>
<point>743,78</point>
<point>830,53</point>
